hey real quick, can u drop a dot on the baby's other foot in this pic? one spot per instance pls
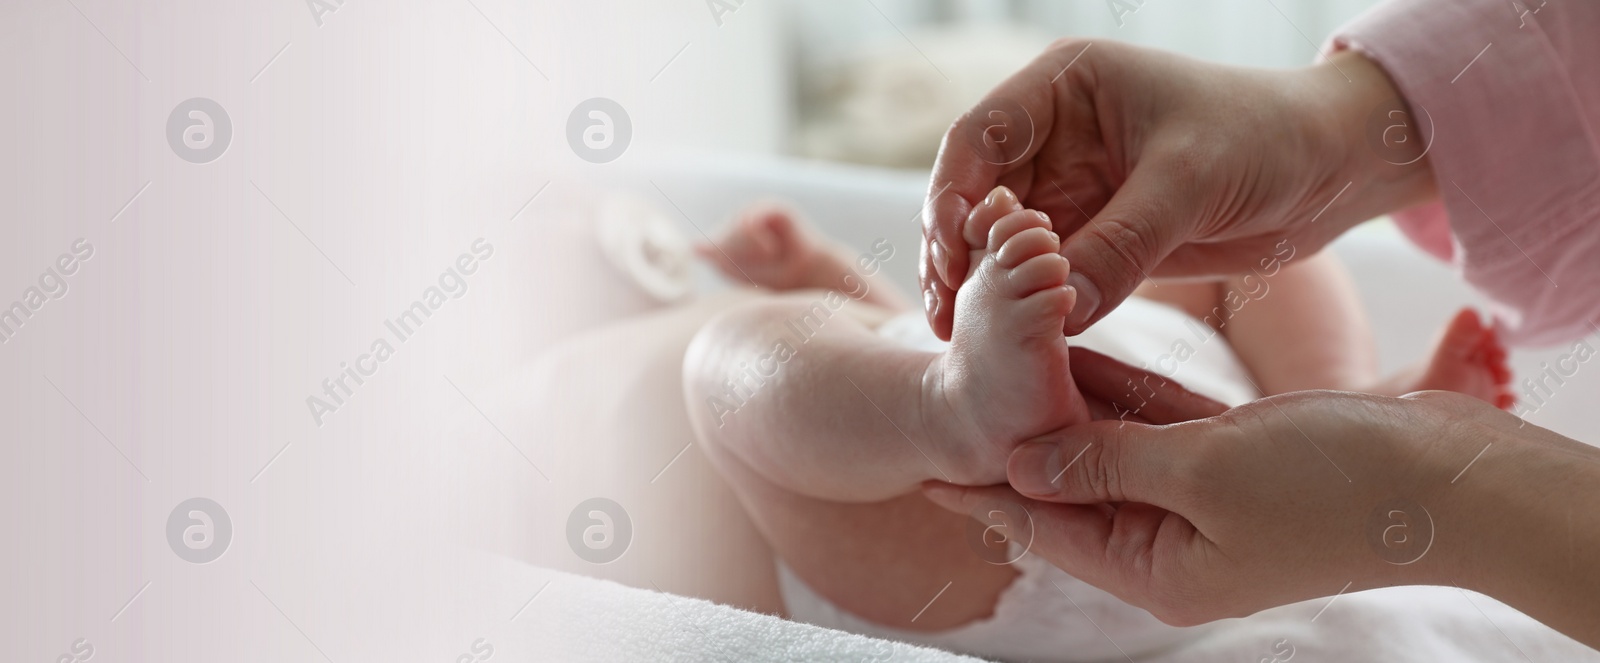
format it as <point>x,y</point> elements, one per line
<point>1006,378</point>
<point>1468,359</point>
<point>768,244</point>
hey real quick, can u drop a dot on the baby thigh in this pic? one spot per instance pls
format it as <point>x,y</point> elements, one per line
<point>883,558</point>
<point>884,562</point>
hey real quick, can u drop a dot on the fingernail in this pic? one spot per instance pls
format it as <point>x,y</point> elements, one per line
<point>1088,303</point>
<point>1034,469</point>
<point>941,260</point>
<point>929,301</point>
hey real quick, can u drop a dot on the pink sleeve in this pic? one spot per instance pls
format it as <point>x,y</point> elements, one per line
<point>1513,94</point>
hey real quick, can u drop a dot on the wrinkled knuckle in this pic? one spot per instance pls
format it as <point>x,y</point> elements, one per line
<point>1116,474</point>
<point>1100,467</point>
<point>1127,236</point>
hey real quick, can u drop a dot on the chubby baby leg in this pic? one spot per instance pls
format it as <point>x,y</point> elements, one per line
<point>804,391</point>
<point>817,424</point>
<point>826,430</point>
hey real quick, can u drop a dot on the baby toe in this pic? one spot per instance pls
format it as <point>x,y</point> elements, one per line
<point>1043,311</point>
<point>1000,202</point>
<point>1505,400</point>
<point>1026,245</point>
<point>1043,271</point>
<point>1014,224</point>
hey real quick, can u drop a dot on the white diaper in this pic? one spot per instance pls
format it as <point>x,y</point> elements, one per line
<point>1140,332</point>
<point>1045,614</point>
<point>1033,620</point>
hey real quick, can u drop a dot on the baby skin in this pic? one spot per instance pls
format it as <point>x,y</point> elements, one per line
<point>827,444</point>
<point>1005,378</point>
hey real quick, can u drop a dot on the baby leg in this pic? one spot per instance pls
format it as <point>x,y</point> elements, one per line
<point>1304,327</point>
<point>770,245</point>
<point>1300,328</point>
<point>800,387</point>
<point>819,403</point>
<point>1467,358</point>
<point>825,453</point>
<point>826,430</point>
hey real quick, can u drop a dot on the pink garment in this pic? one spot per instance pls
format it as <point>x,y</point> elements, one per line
<point>1514,148</point>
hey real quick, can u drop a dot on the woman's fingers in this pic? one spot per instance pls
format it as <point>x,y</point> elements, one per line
<point>1104,461</point>
<point>962,177</point>
<point>938,299</point>
<point>1137,395</point>
<point>991,144</point>
<point>1122,460</point>
<point>1119,248</point>
<point>964,499</point>
<point>1170,518</point>
<point>1099,544</point>
<point>1072,536</point>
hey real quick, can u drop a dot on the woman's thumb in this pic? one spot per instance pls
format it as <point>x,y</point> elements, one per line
<point>1118,248</point>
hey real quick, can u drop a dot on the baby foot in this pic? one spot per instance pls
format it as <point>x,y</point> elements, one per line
<point>1469,360</point>
<point>1006,378</point>
<point>771,245</point>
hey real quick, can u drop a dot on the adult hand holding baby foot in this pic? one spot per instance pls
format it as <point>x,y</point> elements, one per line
<point>1152,164</point>
<point>1292,497</point>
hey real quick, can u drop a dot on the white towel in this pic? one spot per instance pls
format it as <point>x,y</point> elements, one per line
<point>584,619</point>
<point>1391,625</point>
<point>576,618</point>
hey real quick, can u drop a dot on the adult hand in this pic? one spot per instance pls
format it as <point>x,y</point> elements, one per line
<point>1114,390</point>
<point>1151,164</point>
<point>1312,494</point>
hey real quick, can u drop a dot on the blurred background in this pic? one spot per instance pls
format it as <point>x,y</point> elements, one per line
<point>878,82</point>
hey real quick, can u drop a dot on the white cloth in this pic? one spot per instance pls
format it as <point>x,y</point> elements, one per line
<point>1046,614</point>
<point>574,618</point>
<point>585,619</point>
